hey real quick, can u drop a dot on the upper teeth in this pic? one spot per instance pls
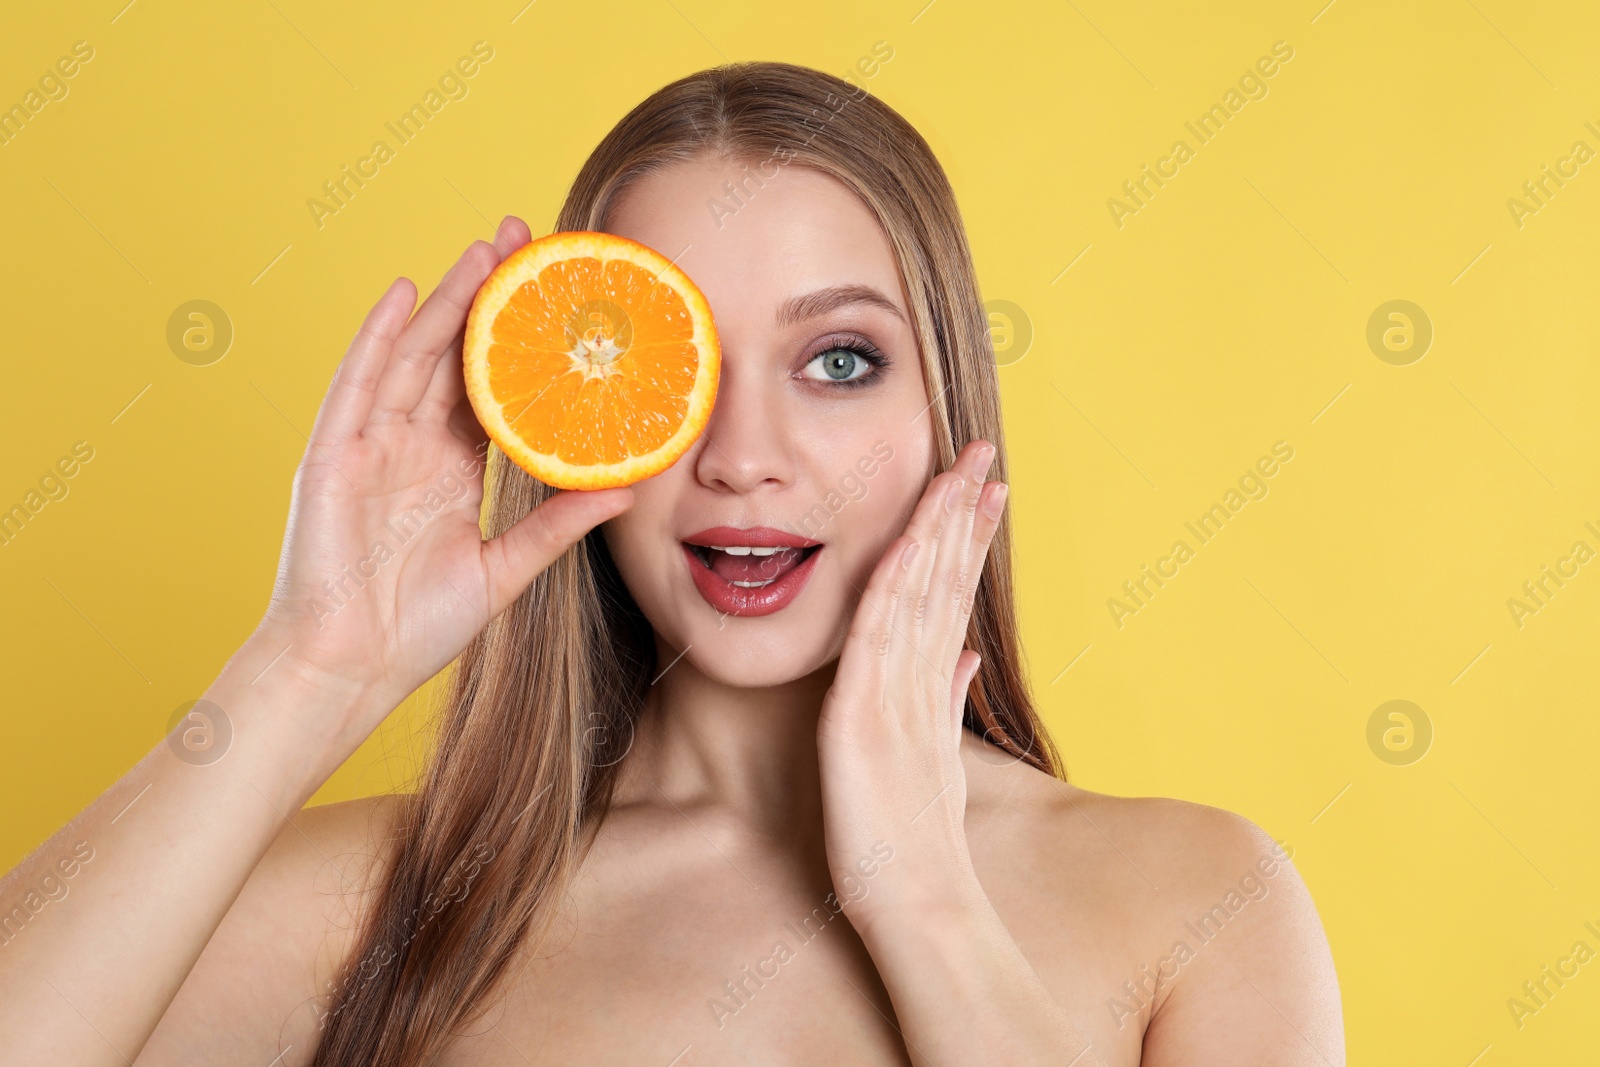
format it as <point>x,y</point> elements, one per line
<point>743,550</point>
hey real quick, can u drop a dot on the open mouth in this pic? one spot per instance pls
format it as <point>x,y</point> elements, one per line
<point>749,572</point>
<point>750,566</point>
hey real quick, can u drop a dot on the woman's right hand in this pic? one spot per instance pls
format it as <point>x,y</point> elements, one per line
<point>200,911</point>
<point>384,575</point>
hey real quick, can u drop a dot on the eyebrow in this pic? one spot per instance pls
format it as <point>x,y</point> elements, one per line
<point>800,308</point>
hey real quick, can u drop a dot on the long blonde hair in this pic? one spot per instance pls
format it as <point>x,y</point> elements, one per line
<point>497,828</point>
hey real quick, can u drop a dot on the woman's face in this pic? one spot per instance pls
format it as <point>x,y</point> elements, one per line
<point>748,555</point>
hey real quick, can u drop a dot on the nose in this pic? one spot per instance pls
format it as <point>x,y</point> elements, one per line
<point>745,446</point>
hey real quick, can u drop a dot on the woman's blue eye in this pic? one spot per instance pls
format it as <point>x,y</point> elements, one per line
<point>838,365</point>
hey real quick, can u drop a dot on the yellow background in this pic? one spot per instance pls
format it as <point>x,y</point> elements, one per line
<point>1229,313</point>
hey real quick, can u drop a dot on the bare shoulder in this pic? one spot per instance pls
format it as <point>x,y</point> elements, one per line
<point>1191,917</point>
<point>1190,846</point>
<point>255,990</point>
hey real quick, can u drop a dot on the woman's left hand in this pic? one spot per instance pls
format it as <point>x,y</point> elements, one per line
<point>894,796</point>
<point>889,739</point>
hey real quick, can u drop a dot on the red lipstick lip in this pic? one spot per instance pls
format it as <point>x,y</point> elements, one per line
<point>729,599</point>
<point>755,536</point>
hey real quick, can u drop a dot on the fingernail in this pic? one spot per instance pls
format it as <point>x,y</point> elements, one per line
<point>985,459</point>
<point>953,494</point>
<point>997,500</point>
<point>908,553</point>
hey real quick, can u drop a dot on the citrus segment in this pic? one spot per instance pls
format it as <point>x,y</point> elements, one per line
<point>591,360</point>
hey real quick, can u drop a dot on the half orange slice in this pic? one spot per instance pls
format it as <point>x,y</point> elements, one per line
<point>591,360</point>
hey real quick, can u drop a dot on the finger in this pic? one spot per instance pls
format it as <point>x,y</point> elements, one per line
<point>959,566</point>
<point>448,385</point>
<point>920,665</point>
<point>991,506</point>
<point>349,401</point>
<point>538,539</point>
<point>463,423</point>
<point>511,235</point>
<point>966,670</point>
<point>948,526</point>
<point>446,388</point>
<point>973,463</point>
<point>871,637</point>
<point>431,331</point>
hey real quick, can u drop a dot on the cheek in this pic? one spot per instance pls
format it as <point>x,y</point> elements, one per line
<point>867,526</point>
<point>634,537</point>
<point>905,476</point>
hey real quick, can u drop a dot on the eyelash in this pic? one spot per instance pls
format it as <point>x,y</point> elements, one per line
<point>864,350</point>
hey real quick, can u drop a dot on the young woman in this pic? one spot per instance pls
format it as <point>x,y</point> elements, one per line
<point>811,817</point>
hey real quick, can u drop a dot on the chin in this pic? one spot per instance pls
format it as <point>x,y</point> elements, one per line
<point>756,663</point>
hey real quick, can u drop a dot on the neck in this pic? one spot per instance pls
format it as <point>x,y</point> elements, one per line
<point>748,752</point>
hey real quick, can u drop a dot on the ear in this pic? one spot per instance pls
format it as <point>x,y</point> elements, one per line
<point>966,670</point>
